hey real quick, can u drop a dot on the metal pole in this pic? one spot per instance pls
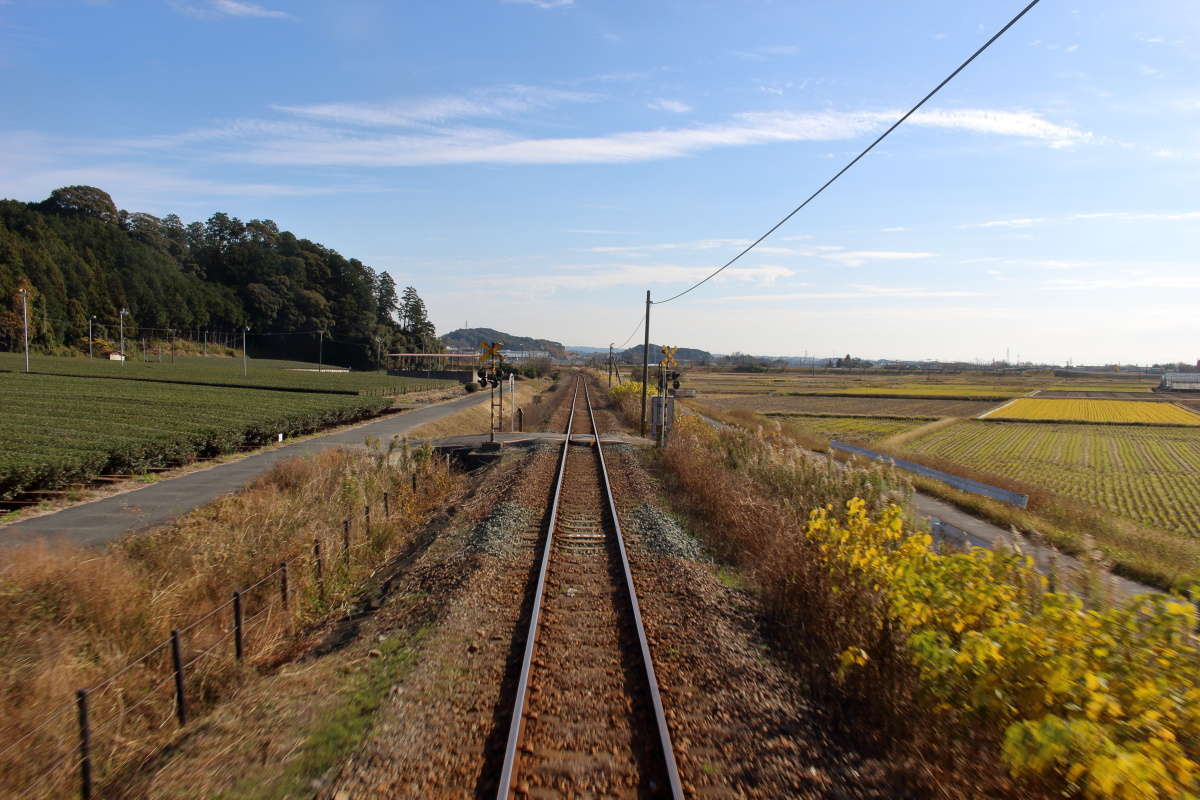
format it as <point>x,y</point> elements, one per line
<point>646,363</point>
<point>387,507</point>
<point>206,343</point>
<point>177,663</point>
<point>25,313</point>
<point>244,350</point>
<point>237,626</point>
<point>171,333</point>
<point>85,746</point>
<point>90,337</point>
<point>121,317</point>
<point>610,363</point>
<point>321,351</point>
<point>520,419</point>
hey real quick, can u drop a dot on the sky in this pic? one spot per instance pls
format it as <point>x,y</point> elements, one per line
<point>536,166</point>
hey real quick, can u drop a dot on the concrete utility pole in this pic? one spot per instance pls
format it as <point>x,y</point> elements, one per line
<point>646,363</point>
<point>25,314</point>
<point>121,319</point>
<point>610,363</point>
<point>91,319</point>
<point>244,350</point>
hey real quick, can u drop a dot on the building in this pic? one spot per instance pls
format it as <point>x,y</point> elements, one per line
<point>115,356</point>
<point>1181,381</point>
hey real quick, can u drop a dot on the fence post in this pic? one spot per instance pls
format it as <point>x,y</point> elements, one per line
<point>414,481</point>
<point>520,419</point>
<point>283,586</point>
<point>346,540</point>
<point>387,508</point>
<point>367,517</point>
<point>237,625</point>
<point>317,562</point>
<point>85,746</point>
<point>177,663</point>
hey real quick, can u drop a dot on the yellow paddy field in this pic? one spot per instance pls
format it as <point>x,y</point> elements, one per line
<point>1106,411</point>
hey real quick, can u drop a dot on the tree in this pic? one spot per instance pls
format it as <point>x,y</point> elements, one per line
<point>85,200</point>
<point>386,302</point>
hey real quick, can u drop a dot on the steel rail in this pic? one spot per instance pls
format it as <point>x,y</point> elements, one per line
<point>664,733</point>
<point>518,713</point>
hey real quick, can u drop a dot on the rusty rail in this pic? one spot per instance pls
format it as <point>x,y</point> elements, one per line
<point>667,754</point>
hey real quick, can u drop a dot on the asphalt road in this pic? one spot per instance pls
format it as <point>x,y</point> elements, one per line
<point>103,520</point>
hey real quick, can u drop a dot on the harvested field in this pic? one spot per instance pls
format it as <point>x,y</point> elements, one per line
<point>853,406</point>
<point>853,429</point>
<point>1147,474</point>
<point>1106,411</point>
<point>1105,394</point>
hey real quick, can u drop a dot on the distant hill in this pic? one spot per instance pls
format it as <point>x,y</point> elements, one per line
<point>469,339</point>
<point>683,354</point>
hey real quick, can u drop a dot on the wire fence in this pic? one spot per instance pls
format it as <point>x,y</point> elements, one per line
<point>181,675</point>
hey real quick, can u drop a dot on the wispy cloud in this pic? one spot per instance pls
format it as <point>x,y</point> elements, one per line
<point>543,3</point>
<point>599,276</point>
<point>767,52</point>
<point>856,292</point>
<point>229,8</point>
<point>459,145</point>
<point>894,229</point>
<point>835,253</point>
<point>675,106</point>
<point>1136,282</point>
<point>491,102</point>
<point>1118,216</point>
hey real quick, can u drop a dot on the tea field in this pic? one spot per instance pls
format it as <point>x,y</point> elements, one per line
<point>1147,474</point>
<point>60,430</point>
<point>294,375</point>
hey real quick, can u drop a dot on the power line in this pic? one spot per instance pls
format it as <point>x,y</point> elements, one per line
<point>635,330</point>
<point>856,159</point>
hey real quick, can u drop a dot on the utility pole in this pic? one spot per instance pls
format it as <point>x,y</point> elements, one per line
<point>206,342</point>
<point>25,315</point>
<point>321,350</point>
<point>646,363</point>
<point>610,363</point>
<point>244,369</point>
<point>91,319</point>
<point>121,318</point>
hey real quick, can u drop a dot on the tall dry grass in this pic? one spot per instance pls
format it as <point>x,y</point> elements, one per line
<point>73,618</point>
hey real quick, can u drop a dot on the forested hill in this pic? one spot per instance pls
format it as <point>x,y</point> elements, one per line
<point>684,354</point>
<point>78,256</point>
<point>469,339</point>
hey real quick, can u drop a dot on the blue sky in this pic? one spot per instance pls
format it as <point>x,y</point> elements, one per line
<point>536,165</point>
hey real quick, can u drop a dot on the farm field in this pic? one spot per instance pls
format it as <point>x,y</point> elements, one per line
<point>852,429</point>
<point>1147,474</point>
<point>1112,387</point>
<point>1107,411</point>
<point>931,408</point>
<point>226,371</point>
<point>973,391</point>
<point>60,430</point>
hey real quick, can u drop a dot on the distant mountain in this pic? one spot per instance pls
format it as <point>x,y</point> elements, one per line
<point>585,350</point>
<point>683,354</point>
<point>469,339</point>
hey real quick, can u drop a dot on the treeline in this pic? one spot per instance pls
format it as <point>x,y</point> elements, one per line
<point>79,256</point>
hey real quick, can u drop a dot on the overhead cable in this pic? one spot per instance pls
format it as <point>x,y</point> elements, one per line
<point>856,159</point>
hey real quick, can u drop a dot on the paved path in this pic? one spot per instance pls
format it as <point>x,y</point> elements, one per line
<point>103,520</point>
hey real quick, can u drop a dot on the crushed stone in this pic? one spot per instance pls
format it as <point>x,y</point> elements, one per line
<point>661,533</point>
<point>499,533</point>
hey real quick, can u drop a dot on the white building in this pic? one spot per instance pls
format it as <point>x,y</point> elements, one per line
<point>1185,381</point>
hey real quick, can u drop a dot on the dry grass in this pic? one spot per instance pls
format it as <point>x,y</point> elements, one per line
<point>69,618</point>
<point>477,418</point>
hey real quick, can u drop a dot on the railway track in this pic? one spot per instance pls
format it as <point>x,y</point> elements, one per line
<point>587,718</point>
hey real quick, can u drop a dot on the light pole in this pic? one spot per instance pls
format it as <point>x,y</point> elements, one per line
<point>244,373</point>
<point>320,350</point>
<point>121,318</point>
<point>25,315</point>
<point>91,338</point>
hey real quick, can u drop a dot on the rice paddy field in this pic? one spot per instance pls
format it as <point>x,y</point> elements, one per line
<point>224,371</point>
<point>1089,410</point>
<point>853,429</point>
<point>1147,474</point>
<point>930,408</point>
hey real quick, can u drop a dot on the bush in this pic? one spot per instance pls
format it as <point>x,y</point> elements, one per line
<point>1098,703</point>
<point>472,387</point>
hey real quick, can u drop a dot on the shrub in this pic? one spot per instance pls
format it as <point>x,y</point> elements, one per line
<point>472,387</point>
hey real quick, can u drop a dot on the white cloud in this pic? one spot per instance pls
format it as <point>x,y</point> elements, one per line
<point>835,253</point>
<point>1021,222</point>
<point>543,3</point>
<point>856,292</point>
<point>492,102</point>
<point>856,258</point>
<point>767,52</point>
<point>675,106</point>
<point>601,276</point>
<point>1023,124</point>
<point>1119,216</point>
<point>894,229</point>
<point>229,8</point>
<point>1138,282</point>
